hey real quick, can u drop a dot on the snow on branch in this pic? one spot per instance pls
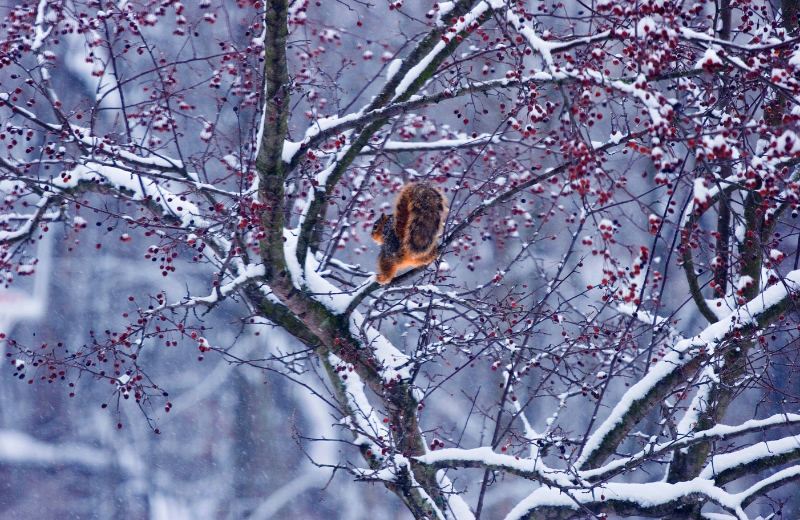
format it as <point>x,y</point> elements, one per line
<point>310,279</point>
<point>644,499</point>
<point>461,24</point>
<point>719,432</point>
<point>659,379</point>
<point>486,458</point>
<point>535,469</point>
<point>326,128</point>
<point>28,226</point>
<point>142,188</point>
<point>83,136</point>
<point>779,479</point>
<point>395,364</point>
<point>248,274</point>
<point>441,144</point>
<point>364,423</point>
<point>726,467</point>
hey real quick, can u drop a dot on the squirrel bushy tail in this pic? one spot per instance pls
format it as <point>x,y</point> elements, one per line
<point>418,216</point>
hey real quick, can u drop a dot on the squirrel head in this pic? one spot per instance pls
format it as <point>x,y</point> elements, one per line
<point>378,227</point>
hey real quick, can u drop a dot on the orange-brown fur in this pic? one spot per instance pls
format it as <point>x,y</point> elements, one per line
<point>408,237</point>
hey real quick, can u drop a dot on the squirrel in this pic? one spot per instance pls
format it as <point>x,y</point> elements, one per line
<point>408,237</point>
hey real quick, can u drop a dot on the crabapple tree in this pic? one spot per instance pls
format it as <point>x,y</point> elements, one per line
<point>618,267</point>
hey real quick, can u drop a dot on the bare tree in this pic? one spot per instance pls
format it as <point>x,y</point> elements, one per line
<point>616,270</point>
